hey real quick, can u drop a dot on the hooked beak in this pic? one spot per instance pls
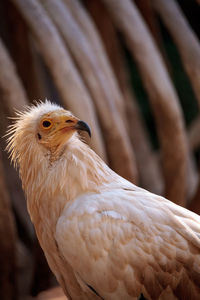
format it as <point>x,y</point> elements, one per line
<point>81,125</point>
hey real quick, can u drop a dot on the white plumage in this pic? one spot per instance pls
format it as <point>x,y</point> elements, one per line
<point>103,237</point>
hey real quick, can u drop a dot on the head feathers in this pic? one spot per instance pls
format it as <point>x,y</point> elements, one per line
<point>23,131</point>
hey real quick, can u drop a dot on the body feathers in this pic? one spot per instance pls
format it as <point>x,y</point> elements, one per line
<point>103,237</point>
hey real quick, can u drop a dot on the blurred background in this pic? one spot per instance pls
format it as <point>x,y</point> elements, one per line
<point>131,70</point>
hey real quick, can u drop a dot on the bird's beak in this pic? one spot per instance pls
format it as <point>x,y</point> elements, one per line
<point>81,125</point>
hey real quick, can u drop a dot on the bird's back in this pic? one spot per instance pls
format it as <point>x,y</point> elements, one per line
<point>125,242</point>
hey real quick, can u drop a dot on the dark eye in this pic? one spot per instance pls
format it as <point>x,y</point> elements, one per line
<point>46,124</point>
<point>69,121</point>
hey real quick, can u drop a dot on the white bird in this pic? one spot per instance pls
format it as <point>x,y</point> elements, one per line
<point>103,237</point>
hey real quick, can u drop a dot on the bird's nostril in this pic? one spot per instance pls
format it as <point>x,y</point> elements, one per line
<point>69,121</point>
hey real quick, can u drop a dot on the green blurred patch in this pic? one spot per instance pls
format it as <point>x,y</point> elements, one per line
<point>179,78</point>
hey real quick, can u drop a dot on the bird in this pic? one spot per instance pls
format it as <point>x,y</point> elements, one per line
<point>103,236</point>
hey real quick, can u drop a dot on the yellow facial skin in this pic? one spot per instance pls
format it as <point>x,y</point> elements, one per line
<point>56,128</point>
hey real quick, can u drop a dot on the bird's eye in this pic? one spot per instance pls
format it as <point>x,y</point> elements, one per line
<point>68,121</point>
<point>46,124</point>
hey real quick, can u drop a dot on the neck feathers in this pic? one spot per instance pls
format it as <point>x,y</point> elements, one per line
<point>77,170</point>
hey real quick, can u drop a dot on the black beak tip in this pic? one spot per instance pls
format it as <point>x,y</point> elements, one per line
<point>81,125</point>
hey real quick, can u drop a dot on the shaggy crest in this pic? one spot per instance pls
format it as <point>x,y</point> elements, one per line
<point>23,131</point>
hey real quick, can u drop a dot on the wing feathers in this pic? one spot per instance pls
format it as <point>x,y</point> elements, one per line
<point>129,247</point>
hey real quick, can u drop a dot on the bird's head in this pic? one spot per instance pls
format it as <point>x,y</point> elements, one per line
<point>55,128</point>
<point>45,126</point>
